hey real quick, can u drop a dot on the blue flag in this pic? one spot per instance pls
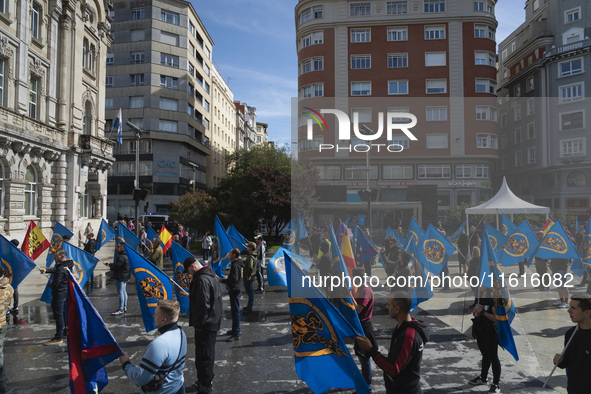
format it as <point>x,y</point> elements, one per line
<point>59,231</point>
<point>507,226</point>
<point>519,245</point>
<point>84,265</point>
<point>556,244</point>
<point>584,249</point>
<point>401,240</point>
<point>497,239</point>
<point>15,262</point>
<point>419,290</point>
<point>106,233</point>
<point>456,235</point>
<point>365,250</point>
<point>220,249</point>
<point>126,236</point>
<point>434,250</point>
<point>150,236</point>
<point>178,256</point>
<point>151,283</point>
<point>90,343</point>
<point>322,359</point>
<point>290,236</point>
<point>237,239</point>
<point>415,229</point>
<point>301,232</point>
<point>490,274</point>
<point>276,269</point>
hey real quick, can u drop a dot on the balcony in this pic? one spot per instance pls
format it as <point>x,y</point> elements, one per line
<point>568,47</point>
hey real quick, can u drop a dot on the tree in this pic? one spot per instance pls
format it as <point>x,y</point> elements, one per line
<point>304,177</point>
<point>196,210</point>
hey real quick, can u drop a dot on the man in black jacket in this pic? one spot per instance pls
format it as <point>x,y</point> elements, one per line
<point>205,315</point>
<point>120,273</point>
<point>402,366</point>
<point>233,285</point>
<point>59,289</point>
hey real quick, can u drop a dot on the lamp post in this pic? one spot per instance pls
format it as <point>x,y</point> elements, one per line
<point>195,168</point>
<point>136,192</point>
<point>368,131</point>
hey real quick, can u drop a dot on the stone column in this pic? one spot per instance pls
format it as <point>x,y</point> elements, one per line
<point>15,205</point>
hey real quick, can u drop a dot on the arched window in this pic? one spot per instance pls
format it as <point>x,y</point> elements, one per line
<point>2,189</point>
<point>31,192</point>
<point>87,120</point>
<point>576,179</point>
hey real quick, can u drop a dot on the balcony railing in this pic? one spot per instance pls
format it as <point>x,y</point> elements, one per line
<point>568,47</point>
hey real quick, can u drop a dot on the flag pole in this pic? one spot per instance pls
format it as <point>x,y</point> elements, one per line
<point>562,354</point>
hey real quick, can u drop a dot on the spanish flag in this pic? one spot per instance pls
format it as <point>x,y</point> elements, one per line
<point>35,242</point>
<point>166,238</point>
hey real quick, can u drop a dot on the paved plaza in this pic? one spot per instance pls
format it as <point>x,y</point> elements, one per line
<point>262,360</point>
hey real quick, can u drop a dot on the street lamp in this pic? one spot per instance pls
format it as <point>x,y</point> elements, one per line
<point>195,168</point>
<point>369,194</point>
<point>138,194</point>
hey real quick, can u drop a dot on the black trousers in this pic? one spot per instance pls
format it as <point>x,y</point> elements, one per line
<point>204,359</point>
<point>489,348</point>
<point>259,276</point>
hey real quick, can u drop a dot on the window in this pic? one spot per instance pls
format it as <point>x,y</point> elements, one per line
<point>136,80</point>
<point>434,171</point>
<point>531,155</point>
<point>360,88</point>
<point>138,13</point>
<point>172,83</point>
<point>170,39</point>
<point>397,171</point>
<point>396,7</point>
<point>138,35</point>
<point>436,113</point>
<point>110,59</point>
<point>109,103</point>
<point>169,60</point>
<point>486,113</point>
<point>87,119</point>
<point>572,15</point>
<point>574,179</point>
<point>434,32</point>
<point>486,86</point>
<point>504,141</point>
<point>503,120</point>
<point>517,91</point>
<point>2,71</point>
<point>436,86</point>
<point>517,135</point>
<point>479,6</point>
<point>463,171</point>
<point>571,67</point>
<point>313,38</point>
<point>434,5</point>
<point>571,148</point>
<point>571,121</point>
<point>169,126</point>
<point>136,102</point>
<point>518,161</point>
<point>570,93</point>
<point>137,57</point>
<point>482,58</point>
<point>504,55</point>
<point>517,112</point>
<point>33,97</point>
<point>484,31</point>
<point>396,60</point>
<point>531,131</point>
<point>482,171</point>
<point>536,5</point>
<point>36,13</point>
<point>310,13</point>
<point>360,9</point>
<point>2,10</point>
<point>329,172</point>
<point>360,35</point>
<point>401,140</point>
<point>437,141</point>
<point>109,81</point>
<point>433,59</point>
<point>2,188</point>
<point>403,110</point>
<point>488,141</point>
<point>169,17</point>
<point>397,87</point>
<point>529,84</point>
<point>314,64</point>
<point>360,61</point>
<point>397,34</point>
<point>31,192</point>
<point>313,90</point>
<point>353,171</point>
<point>169,104</point>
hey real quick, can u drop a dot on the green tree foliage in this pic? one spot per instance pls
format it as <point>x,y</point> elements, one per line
<point>195,210</point>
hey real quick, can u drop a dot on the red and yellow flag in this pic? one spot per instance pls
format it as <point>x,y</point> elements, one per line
<point>547,226</point>
<point>347,253</point>
<point>166,238</point>
<point>35,242</point>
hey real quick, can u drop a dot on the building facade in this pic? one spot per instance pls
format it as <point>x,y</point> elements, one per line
<point>261,136</point>
<point>160,73</point>
<point>246,120</point>
<point>544,131</point>
<point>53,154</point>
<point>435,59</point>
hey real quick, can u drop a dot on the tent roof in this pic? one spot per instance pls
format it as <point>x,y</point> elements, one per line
<point>506,202</point>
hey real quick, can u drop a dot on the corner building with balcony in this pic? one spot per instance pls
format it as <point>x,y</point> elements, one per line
<point>435,59</point>
<point>159,72</point>
<point>53,156</point>
<point>544,81</point>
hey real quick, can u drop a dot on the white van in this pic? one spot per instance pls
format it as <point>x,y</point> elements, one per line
<point>156,221</point>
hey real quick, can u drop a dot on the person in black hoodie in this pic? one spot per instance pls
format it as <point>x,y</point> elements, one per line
<point>233,285</point>
<point>120,273</point>
<point>59,289</point>
<point>205,315</point>
<point>402,366</point>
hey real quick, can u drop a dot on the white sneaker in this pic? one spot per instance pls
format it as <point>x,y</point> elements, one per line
<point>557,303</point>
<point>564,305</point>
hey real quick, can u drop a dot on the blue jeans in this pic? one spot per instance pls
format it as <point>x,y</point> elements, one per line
<point>235,310</point>
<point>205,255</point>
<point>122,293</point>
<point>249,289</point>
<point>58,306</point>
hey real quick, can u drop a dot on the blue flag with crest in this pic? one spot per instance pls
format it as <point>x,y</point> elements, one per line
<point>16,264</point>
<point>456,235</point>
<point>401,240</point>
<point>497,239</point>
<point>220,249</point>
<point>276,275</point>
<point>434,250</point>
<point>150,236</point>
<point>419,290</point>
<point>507,226</point>
<point>414,228</point>
<point>178,256</point>
<point>105,234</point>
<point>519,245</point>
<point>237,239</point>
<point>322,359</point>
<point>151,283</point>
<point>556,244</point>
<point>125,235</point>
<point>584,249</point>
<point>59,231</point>
<point>290,236</point>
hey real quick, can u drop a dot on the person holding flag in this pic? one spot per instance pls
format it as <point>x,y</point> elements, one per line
<point>120,273</point>
<point>364,302</point>
<point>59,290</point>
<point>232,283</point>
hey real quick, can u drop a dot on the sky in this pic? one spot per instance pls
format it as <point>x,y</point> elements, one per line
<point>255,52</point>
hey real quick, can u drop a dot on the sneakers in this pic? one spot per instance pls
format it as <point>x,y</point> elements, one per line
<point>477,381</point>
<point>564,305</point>
<point>557,303</point>
<point>233,338</point>
<point>259,291</point>
<point>229,332</point>
<point>494,388</point>
<point>118,312</point>
<point>53,341</point>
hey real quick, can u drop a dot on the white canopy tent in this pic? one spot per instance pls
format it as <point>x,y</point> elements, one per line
<point>505,202</point>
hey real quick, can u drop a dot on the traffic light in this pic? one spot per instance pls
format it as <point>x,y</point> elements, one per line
<point>146,207</point>
<point>140,194</point>
<point>366,194</point>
